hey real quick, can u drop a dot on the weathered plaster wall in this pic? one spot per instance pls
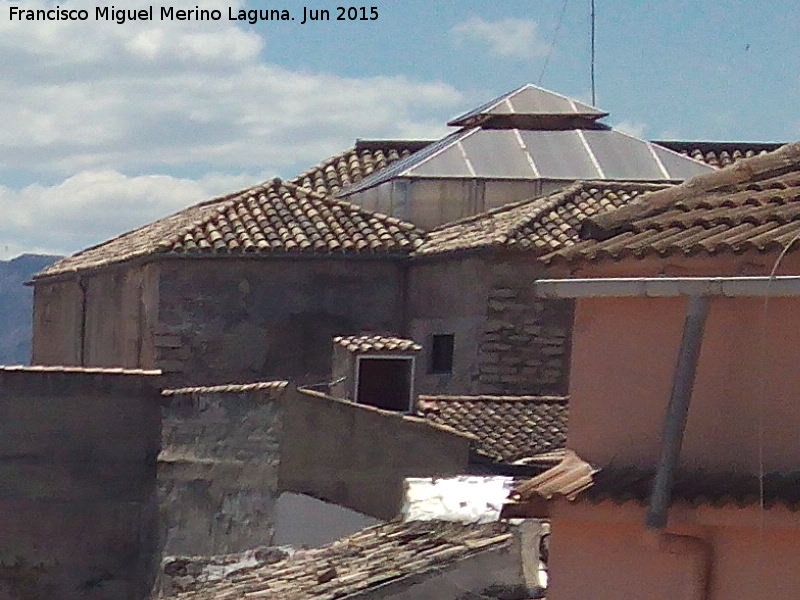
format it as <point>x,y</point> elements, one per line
<point>218,470</point>
<point>625,351</point>
<point>101,319</point>
<point>358,456</point>
<point>429,203</point>
<point>303,521</point>
<point>228,320</point>
<point>448,297</point>
<point>507,341</point>
<point>599,551</point>
<point>57,323</point>
<point>78,513</point>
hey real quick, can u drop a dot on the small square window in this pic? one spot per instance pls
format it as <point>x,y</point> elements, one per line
<point>442,353</point>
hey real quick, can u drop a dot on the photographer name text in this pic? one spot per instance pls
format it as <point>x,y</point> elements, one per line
<point>121,16</point>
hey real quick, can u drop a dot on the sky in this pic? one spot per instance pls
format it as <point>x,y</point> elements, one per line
<point>109,126</point>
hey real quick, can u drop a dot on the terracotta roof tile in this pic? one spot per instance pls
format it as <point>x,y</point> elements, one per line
<point>371,558</point>
<point>576,479</point>
<point>354,164</point>
<point>541,225</point>
<point>752,205</point>
<point>720,154</point>
<point>508,428</point>
<point>67,369</point>
<point>274,217</point>
<point>376,343</point>
<point>228,388</point>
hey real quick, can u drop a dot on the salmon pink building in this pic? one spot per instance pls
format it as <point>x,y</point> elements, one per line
<point>683,479</point>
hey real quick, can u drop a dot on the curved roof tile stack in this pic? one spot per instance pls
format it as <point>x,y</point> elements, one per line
<point>752,206</point>
<point>354,164</point>
<point>541,225</point>
<point>393,553</point>
<point>720,154</point>
<point>376,343</point>
<point>276,217</point>
<point>508,428</point>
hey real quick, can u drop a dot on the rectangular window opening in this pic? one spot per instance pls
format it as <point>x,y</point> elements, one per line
<point>385,382</point>
<point>442,353</point>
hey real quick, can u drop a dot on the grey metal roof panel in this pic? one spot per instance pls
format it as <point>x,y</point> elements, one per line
<point>530,100</point>
<point>679,168</point>
<point>570,155</point>
<point>498,153</point>
<point>399,168</point>
<point>624,157</point>
<point>560,155</point>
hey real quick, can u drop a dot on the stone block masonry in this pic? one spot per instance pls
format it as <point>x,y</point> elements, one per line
<point>524,346</point>
<point>218,468</point>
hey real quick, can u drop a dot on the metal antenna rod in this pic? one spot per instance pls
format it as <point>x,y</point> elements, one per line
<point>594,100</point>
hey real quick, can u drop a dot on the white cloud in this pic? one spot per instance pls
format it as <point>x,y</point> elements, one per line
<point>96,205</point>
<point>634,128</point>
<point>191,98</point>
<point>511,38</point>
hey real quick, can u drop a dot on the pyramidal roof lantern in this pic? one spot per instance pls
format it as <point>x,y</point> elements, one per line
<point>532,107</point>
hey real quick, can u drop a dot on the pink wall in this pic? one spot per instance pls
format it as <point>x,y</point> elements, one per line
<point>623,360</point>
<point>598,552</point>
<point>745,404</point>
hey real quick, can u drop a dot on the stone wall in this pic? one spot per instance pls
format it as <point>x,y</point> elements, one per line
<point>524,346</point>
<point>238,319</point>
<point>78,514</point>
<point>218,468</point>
<point>99,319</point>
<point>507,341</point>
<point>358,456</point>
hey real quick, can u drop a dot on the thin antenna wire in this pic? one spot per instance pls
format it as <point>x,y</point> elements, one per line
<point>553,41</point>
<point>594,100</point>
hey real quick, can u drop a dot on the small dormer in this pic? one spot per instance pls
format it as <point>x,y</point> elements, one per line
<point>375,370</point>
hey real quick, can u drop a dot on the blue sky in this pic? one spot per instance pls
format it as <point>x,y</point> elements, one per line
<point>108,126</point>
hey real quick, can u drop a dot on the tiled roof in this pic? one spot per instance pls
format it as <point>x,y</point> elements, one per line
<point>376,343</point>
<point>369,559</point>
<point>576,479</point>
<point>87,370</point>
<point>229,388</point>
<point>541,225</point>
<point>352,165</point>
<point>508,428</point>
<point>720,154</point>
<point>696,488</point>
<point>276,217</point>
<point>752,205</point>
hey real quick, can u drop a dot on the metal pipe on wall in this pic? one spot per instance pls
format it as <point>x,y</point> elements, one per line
<point>677,411</point>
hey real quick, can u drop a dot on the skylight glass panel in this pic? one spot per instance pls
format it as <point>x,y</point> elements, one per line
<point>559,155</point>
<point>623,157</point>
<point>497,153</point>
<point>448,163</point>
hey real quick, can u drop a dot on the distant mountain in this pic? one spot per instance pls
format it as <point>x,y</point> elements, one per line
<point>16,306</point>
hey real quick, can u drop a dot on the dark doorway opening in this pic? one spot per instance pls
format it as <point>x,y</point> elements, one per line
<point>385,382</point>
